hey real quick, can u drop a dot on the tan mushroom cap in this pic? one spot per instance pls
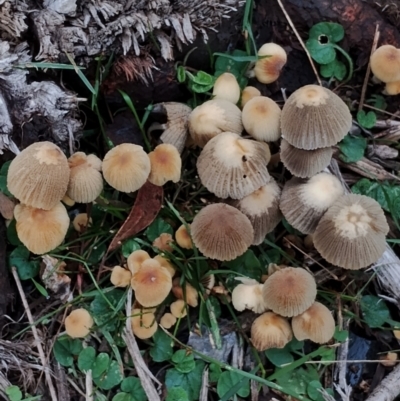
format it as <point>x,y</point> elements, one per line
<point>314,117</point>
<point>248,93</point>
<point>176,128</point>
<point>385,63</point>
<point>166,263</point>
<point>270,331</point>
<point>167,320</point>
<point>351,234</point>
<point>126,167</point>
<point>78,323</point>
<point>81,222</point>
<point>248,295</point>
<point>290,291</point>
<point>304,163</point>
<point>143,324</point>
<point>304,201</point>
<point>135,260</point>
<point>212,118</point>
<point>222,232</point>
<point>261,118</point>
<point>188,293</point>
<point>166,164</point>
<point>163,241</point>
<point>178,308</point>
<point>392,88</point>
<point>267,70</point>
<point>182,238</point>
<point>39,175</point>
<point>120,277</point>
<point>226,87</point>
<point>68,201</point>
<point>230,166</point>
<point>315,324</point>
<point>262,209</point>
<point>85,181</point>
<point>41,230</point>
<point>151,283</point>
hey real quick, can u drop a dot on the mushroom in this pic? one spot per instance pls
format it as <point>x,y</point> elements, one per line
<point>188,293</point>
<point>182,238</point>
<point>213,117</point>
<point>262,209</point>
<point>227,88</point>
<point>126,167</point>
<point>314,117</point>
<point>166,164</point>
<point>81,222</point>
<point>162,242</point>
<point>120,277</point>
<point>248,93</point>
<point>167,320</point>
<point>176,128</point>
<point>248,295</point>
<point>151,283</point>
<point>165,263</point>
<point>41,230</point>
<point>304,163</point>
<point>178,308</point>
<point>135,260</point>
<point>270,331</point>
<point>221,232</point>
<point>6,207</point>
<point>78,323</point>
<point>268,69</point>
<point>290,291</point>
<point>230,166</point>
<point>261,119</point>
<point>304,201</point>
<point>68,201</point>
<point>392,88</point>
<point>385,63</point>
<point>351,234</point>
<point>143,324</point>
<point>39,175</point>
<point>85,181</point>
<point>315,324</point>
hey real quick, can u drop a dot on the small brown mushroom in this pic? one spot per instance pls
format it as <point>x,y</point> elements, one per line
<point>143,324</point>
<point>167,320</point>
<point>166,164</point>
<point>385,63</point>
<point>268,69</point>
<point>120,277</point>
<point>226,87</point>
<point>178,308</point>
<point>78,323</point>
<point>182,238</point>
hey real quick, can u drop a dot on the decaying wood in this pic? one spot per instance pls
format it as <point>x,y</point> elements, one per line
<point>389,389</point>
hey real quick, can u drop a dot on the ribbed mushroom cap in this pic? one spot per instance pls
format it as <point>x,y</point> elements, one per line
<point>163,241</point>
<point>126,167</point>
<point>178,308</point>
<point>166,164</point>
<point>85,181</point>
<point>78,323</point>
<point>248,295</point>
<point>120,277</point>
<point>41,230</point>
<point>182,238</point>
<point>267,70</point>
<point>261,118</point>
<point>314,117</point>
<point>213,117</point>
<point>290,291</point>
<point>151,283</point>
<point>304,201</point>
<point>226,87</point>
<point>39,175</point>
<point>167,320</point>
<point>230,166</point>
<point>176,127</point>
<point>315,324</point>
<point>248,93</point>
<point>270,331</point>
<point>188,293</point>
<point>262,209</point>
<point>304,163</point>
<point>385,63</point>
<point>351,234</point>
<point>221,232</point>
<point>135,260</point>
<point>143,324</point>
<point>81,222</point>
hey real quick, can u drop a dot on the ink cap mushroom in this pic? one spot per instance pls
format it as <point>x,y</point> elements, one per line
<point>268,69</point>
<point>385,63</point>
<point>226,87</point>
<point>166,164</point>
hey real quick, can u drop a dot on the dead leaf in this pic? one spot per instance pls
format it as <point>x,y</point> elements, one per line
<point>6,207</point>
<point>147,205</point>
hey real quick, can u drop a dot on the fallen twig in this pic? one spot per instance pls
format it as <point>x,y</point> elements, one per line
<point>389,388</point>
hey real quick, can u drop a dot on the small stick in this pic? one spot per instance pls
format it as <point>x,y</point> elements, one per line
<point>89,386</point>
<point>35,335</point>
<point>368,72</point>
<point>289,20</point>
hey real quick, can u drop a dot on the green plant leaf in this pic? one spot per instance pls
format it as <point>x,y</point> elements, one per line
<point>214,372</point>
<point>294,345</point>
<point>102,313</point>
<point>122,397</point>
<point>279,356</point>
<point>110,378</point>
<point>156,228</point>
<point>229,379</point>
<point>298,379</point>
<point>12,235</point>
<point>14,393</point>
<point>133,386</point>
<point>202,78</point>
<point>199,88</point>
<point>377,101</point>
<point>341,335</point>
<point>40,288</point>
<point>86,359</point>
<point>366,120</point>
<point>246,264</point>
<point>3,178</point>
<point>96,254</point>
<point>321,53</point>
<point>162,349</point>
<point>335,69</point>
<point>177,394</point>
<point>312,390</point>
<point>130,246</point>
<point>65,348</point>
<point>352,148</point>
<point>183,361</point>
<point>375,311</point>
<point>100,364</point>
<point>181,74</point>
<point>334,32</point>
<point>26,268</point>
